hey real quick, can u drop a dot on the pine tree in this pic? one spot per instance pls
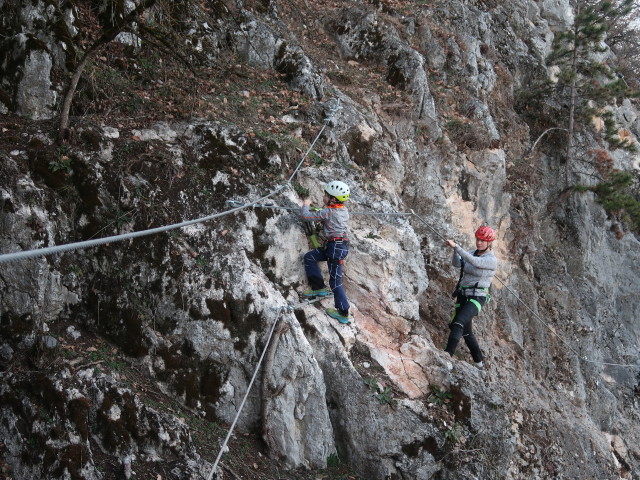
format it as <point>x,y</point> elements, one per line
<point>618,195</point>
<point>585,81</point>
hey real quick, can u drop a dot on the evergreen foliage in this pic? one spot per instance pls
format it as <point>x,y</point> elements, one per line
<point>585,80</point>
<point>589,84</point>
<point>618,196</point>
<point>612,135</point>
<point>623,37</point>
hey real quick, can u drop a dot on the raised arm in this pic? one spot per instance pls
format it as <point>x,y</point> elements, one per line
<point>307,214</point>
<point>485,262</point>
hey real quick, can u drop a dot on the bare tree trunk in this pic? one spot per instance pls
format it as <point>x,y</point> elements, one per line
<point>572,109</point>
<point>106,37</point>
<point>535,144</point>
<point>572,101</point>
<point>63,128</point>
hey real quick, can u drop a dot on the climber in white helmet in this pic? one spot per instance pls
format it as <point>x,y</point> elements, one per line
<point>334,218</point>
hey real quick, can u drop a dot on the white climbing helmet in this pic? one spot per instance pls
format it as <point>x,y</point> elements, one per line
<point>338,189</point>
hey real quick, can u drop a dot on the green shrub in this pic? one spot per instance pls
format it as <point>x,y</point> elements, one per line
<point>618,196</point>
<point>300,190</point>
<point>439,396</point>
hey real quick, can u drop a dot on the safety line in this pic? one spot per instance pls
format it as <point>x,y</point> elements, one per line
<point>294,209</point>
<point>537,317</point>
<point>332,112</point>
<point>288,308</point>
<point>11,257</point>
<point>428,225</point>
<point>116,238</point>
<point>255,373</point>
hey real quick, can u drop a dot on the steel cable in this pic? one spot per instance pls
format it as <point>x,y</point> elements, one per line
<point>16,256</point>
<point>332,112</point>
<point>246,395</point>
<point>12,257</point>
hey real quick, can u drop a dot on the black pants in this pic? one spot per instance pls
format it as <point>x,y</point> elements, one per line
<point>462,325</point>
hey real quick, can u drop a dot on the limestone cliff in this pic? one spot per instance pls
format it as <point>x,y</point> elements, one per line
<point>428,125</point>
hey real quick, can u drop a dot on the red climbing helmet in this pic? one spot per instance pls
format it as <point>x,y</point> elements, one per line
<point>486,234</point>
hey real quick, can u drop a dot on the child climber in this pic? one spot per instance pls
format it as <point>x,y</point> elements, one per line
<point>334,217</point>
<point>477,270</point>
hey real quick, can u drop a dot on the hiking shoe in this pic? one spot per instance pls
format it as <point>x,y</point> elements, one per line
<point>323,292</point>
<point>480,365</point>
<point>333,313</point>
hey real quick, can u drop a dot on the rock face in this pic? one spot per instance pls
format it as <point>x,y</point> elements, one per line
<point>98,407</point>
<point>194,307</point>
<point>35,43</point>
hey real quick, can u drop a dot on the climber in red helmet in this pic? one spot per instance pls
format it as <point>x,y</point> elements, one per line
<point>477,268</point>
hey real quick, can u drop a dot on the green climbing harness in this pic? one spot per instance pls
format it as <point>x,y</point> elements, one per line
<point>461,289</point>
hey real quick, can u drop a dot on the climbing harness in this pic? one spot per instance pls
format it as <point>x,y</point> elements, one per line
<point>310,230</point>
<point>470,290</point>
<point>477,304</point>
<point>535,315</point>
<point>461,290</point>
<point>237,206</point>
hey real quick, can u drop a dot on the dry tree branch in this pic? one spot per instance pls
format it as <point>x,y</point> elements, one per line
<point>106,37</point>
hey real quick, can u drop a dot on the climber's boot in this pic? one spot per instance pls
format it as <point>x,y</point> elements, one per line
<point>340,316</point>
<point>322,292</point>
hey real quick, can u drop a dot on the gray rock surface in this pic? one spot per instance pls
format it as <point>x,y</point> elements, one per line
<point>193,308</point>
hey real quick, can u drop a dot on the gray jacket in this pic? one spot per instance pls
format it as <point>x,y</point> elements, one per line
<point>334,221</point>
<point>477,270</point>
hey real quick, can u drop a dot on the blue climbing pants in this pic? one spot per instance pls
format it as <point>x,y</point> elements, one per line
<point>333,253</point>
<point>461,325</point>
